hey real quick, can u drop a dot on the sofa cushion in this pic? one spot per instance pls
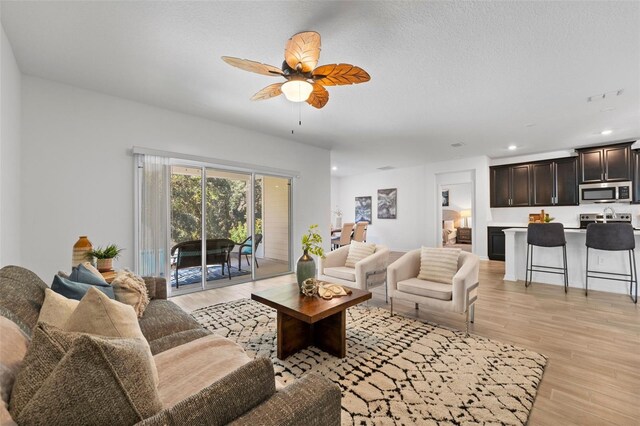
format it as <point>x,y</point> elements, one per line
<point>165,321</point>
<point>13,347</point>
<point>45,351</point>
<point>86,273</point>
<point>76,290</point>
<point>98,381</point>
<point>425,288</point>
<point>97,314</point>
<point>187,369</point>
<point>438,264</point>
<point>56,309</point>
<point>358,251</point>
<point>342,272</point>
<point>21,296</point>
<point>130,289</point>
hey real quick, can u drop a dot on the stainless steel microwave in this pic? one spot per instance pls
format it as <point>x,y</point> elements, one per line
<point>607,192</point>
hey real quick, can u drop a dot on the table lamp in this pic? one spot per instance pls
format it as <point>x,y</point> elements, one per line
<point>465,214</point>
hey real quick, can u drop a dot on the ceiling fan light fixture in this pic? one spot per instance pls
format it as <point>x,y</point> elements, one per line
<point>297,90</point>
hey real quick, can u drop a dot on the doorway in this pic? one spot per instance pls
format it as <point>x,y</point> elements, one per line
<point>455,221</point>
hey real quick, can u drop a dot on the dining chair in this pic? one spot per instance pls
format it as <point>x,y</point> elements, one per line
<point>345,236</point>
<point>360,232</point>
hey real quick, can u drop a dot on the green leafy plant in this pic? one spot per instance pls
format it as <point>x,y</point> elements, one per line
<point>548,219</point>
<point>111,251</point>
<point>311,241</point>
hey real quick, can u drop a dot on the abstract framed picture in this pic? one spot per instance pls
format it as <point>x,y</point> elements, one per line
<point>387,203</point>
<point>363,209</point>
<point>445,198</point>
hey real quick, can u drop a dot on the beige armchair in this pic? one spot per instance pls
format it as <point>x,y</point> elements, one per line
<point>403,284</point>
<point>366,274</point>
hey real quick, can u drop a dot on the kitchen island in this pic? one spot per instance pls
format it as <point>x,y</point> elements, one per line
<point>516,253</point>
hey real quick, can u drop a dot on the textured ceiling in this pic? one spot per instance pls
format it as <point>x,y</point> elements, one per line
<point>487,74</point>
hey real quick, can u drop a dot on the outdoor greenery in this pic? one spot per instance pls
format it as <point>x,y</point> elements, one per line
<point>311,241</point>
<point>111,251</point>
<point>226,208</point>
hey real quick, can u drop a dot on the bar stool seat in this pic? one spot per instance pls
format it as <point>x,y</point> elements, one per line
<point>546,235</point>
<point>613,237</point>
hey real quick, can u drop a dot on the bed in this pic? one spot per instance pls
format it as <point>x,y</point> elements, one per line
<point>450,218</point>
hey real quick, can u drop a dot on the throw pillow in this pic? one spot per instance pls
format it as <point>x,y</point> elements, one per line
<point>76,290</point>
<point>13,348</point>
<point>99,315</point>
<point>438,264</point>
<point>48,346</point>
<point>56,308</point>
<point>99,381</point>
<point>87,274</point>
<point>358,251</point>
<point>130,289</point>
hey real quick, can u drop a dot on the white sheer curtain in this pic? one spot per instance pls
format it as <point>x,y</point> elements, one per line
<point>153,215</point>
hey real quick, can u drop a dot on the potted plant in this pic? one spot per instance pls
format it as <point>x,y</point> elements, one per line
<point>311,244</point>
<point>105,256</point>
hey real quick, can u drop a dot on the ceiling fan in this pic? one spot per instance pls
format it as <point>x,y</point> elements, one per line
<point>305,81</point>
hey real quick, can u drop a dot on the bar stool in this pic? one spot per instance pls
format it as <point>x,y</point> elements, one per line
<point>613,237</point>
<point>546,235</point>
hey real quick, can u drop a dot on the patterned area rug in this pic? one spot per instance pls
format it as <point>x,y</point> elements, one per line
<point>398,370</point>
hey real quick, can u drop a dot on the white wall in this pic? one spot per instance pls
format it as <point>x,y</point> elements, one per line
<point>10,112</point>
<point>78,171</point>
<point>460,196</point>
<point>419,202</point>
<point>401,234</point>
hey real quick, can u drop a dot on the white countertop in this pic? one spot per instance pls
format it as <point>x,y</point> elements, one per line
<point>566,231</point>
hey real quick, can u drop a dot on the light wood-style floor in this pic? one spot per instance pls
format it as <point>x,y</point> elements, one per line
<point>593,344</point>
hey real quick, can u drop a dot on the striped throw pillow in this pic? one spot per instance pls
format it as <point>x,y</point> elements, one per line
<point>358,251</point>
<point>438,264</point>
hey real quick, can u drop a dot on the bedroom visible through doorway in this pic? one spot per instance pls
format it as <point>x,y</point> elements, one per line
<point>457,216</point>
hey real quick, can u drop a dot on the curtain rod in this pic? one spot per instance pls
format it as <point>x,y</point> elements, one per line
<point>216,161</point>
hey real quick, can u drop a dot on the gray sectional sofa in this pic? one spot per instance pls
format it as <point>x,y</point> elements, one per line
<point>246,394</point>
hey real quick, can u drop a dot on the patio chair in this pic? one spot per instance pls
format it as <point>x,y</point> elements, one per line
<point>246,250</point>
<point>188,254</point>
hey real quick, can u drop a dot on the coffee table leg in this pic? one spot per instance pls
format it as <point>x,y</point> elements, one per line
<point>330,334</point>
<point>293,335</point>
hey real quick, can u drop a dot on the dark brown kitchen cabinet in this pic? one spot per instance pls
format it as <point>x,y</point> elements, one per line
<point>566,182</point>
<point>496,244</point>
<point>542,191</point>
<point>510,186</point>
<point>635,157</point>
<point>605,164</point>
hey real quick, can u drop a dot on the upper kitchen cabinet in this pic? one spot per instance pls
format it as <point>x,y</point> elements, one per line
<point>555,182</point>
<point>606,163</point>
<point>543,183</point>
<point>635,156</point>
<point>510,186</point>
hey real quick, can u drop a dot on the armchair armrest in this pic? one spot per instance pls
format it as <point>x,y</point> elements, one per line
<point>376,262</point>
<point>310,401</point>
<point>223,401</point>
<point>156,287</point>
<point>333,259</point>
<point>465,282</point>
<point>408,266</point>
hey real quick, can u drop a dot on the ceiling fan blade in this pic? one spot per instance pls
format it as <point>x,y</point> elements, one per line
<point>268,92</point>
<point>303,50</point>
<point>318,97</point>
<point>340,74</point>
<point>252,66</point>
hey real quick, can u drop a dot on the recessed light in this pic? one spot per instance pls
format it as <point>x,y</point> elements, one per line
<point>529,124</point>
<point>607,109</point>
<point>512,147</point>
<point>334,168</point>
<point>606,132</point>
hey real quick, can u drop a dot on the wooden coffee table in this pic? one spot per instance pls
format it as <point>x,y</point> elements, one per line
<point>305,321</point>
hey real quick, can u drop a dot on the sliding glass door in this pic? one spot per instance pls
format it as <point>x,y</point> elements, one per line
<point>227,227</point>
